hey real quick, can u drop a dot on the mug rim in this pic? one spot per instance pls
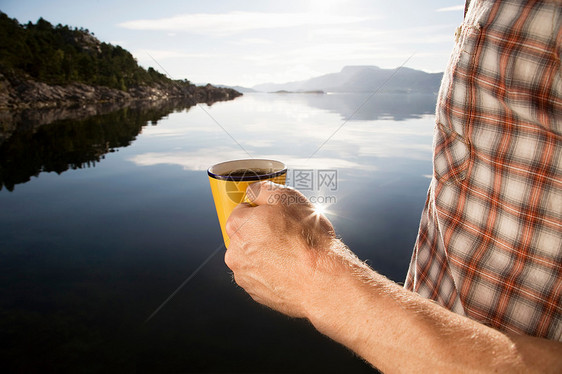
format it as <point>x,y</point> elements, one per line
<point>250,177</point>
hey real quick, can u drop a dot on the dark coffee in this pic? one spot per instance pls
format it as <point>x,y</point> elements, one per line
<point>248,172</point>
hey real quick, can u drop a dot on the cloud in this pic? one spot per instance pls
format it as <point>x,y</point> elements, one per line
<point>203,158</point>
<point>236,22</point>
<point>453,8</point>
<point>319,163</point>
<point>200,159</point>
<point>161,54</point>
<point>252,41</point>
<point>412,35</point>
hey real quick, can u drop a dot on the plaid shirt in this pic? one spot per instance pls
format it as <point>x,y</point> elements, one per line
<point>490,240</point>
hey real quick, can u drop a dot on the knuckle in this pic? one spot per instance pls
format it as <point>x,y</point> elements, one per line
<point>232,224</point>
<point>230,259</point>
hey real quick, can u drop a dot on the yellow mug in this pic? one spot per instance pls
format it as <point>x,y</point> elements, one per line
<point>230,179</point>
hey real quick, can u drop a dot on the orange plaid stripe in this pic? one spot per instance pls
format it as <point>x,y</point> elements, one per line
<point>490,239</point>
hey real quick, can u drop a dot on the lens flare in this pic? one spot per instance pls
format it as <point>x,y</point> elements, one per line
<point>320,209</point>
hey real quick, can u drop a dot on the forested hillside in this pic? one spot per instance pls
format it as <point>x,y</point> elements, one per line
<point>42,65</point>
<point>60,54</point>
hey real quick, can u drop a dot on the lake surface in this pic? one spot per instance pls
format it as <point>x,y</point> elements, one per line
<point>102,219</point>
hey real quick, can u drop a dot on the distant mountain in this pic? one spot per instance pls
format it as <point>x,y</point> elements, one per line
<point>363,79</point>
<point>237,88</point>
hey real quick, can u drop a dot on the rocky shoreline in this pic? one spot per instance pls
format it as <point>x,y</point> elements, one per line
<point>25,103</point>
<point>18,93</point>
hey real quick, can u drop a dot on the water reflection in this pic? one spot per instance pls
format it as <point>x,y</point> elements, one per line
<point>86,256</point>
<point>398,107</point>
<point>31,144</point>
<point>294,127</point>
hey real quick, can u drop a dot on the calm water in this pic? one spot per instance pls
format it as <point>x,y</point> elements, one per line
<point>122,214</point>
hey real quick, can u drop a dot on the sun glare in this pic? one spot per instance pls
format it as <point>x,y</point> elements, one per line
<point>320,209</point>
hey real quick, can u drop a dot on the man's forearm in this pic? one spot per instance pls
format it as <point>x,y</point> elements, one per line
<point>399,331</point>
<point>286,257</point>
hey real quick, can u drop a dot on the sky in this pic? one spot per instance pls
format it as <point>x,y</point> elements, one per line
<point>248,42</point>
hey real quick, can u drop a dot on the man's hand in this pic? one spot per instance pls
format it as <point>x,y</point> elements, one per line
<point>286,256</point>
<point>276,245</point>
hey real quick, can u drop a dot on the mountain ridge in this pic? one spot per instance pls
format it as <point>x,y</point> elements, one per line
<point>363,78</point>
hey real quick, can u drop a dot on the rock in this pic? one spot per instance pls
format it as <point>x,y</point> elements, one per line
<point>17,92</point>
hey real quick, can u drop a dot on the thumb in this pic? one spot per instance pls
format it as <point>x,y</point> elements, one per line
<point>269,193</point>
